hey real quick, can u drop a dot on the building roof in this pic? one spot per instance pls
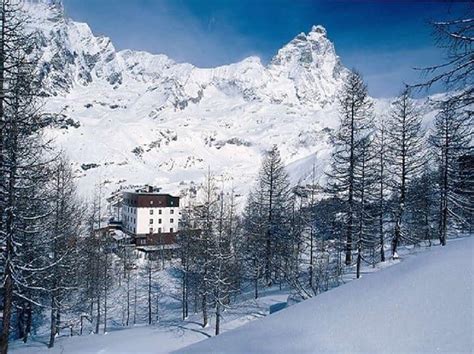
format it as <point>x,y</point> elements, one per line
<point>147,199</point>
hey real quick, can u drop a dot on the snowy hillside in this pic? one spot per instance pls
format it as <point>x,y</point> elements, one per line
<point>423,304</point>
<point>128,117</point>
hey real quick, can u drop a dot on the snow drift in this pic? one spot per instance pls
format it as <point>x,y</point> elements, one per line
<point>424,304</point>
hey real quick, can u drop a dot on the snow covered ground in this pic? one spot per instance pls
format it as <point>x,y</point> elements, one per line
<point>421,303</point>
<point>171,334</point>
<point>424,304</point>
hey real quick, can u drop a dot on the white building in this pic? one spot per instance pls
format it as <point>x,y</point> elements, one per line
<point>150,217</point>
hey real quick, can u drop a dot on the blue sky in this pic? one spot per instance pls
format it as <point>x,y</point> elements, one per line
<point>382,39</point>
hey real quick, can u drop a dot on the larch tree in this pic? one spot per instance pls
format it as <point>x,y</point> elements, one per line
<point>364,195</point>
<point>455,37</point>
<point>204,258</point>
<point>381,150</point>
<point>23,157</point>
<point>407,158</point>
<point>253,250</point>
<point>66,227</point>
<point>356,122</point>
<point>274,185</point>
<point>452,141</point>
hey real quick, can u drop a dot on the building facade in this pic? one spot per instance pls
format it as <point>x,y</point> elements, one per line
<point>150,217</point>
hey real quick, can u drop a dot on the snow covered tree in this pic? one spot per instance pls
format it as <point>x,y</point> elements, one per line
<point>381,150</point>
<point>23,158</point>
<point>224,265</point>
<point>356,123</point>
<point>452,140</point>
<point>209,267</point>
<point>97,264</point>
<point>273,184</point>
<point>406,156</point>
<point>422,209</point>
<point>455,37</point>
<point>66,227</point>
<point>254,233</point>
<point>309,217</point>
<point>186,239</point>
<point>364,194</point>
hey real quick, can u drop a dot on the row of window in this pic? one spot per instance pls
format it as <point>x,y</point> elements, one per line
<point>130,219</point>
<point>130,210</point>
<point>160,230</point>
<point>159,221</point>
<point>134,210</point>
<point>160,210</point>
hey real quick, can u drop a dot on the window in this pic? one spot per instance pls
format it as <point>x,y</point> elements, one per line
<point>159,221</point>
<point>171,229</point>
<point>171,221</point>
<point>172,211</point>
<point>159,230</point>
<point>151,230</point>
<point>159,211</point>
<point>151,211</point>
<point>151,221</point>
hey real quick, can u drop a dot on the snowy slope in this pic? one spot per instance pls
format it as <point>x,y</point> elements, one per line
<point>424,304</point>
<point>127,117</point>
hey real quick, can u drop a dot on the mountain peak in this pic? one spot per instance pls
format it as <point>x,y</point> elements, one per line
<point>306,48</point>
<point>311,62</point>
<point>319,30</point>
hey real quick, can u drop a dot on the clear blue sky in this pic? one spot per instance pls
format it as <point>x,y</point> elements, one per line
<point>383,39</point>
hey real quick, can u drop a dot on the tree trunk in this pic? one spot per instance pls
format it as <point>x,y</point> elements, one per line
<point>204,310</point>
<point>97,325</point>
<point>128,298</point>
<point>256,279</point>
<point>52,333</point>
<point>218,317</point>
<point>149,293</point>
<point>29,318</point>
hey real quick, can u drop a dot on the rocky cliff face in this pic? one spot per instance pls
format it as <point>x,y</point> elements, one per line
<point>306,71</point>
<point>128,117</point>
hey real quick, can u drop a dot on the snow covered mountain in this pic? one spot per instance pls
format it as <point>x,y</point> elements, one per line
<point>128,117</point>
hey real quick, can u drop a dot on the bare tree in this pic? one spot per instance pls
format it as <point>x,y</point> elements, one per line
<point>66,227</point>
<point>23,157</point>
<point>452,139</point>
<point>455,37</point>
<point>356,122</point>
<point>407,158</point>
